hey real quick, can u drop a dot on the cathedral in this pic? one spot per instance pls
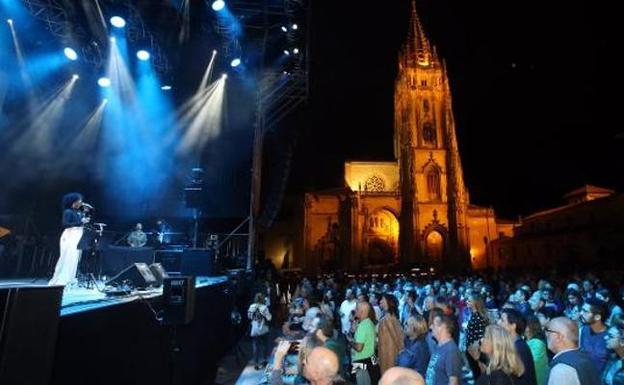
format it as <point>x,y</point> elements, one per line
<point>414,211</point>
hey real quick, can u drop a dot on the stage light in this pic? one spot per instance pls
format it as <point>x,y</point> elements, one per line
<point>218,5</point>
<point>104,82</point>
<point>112,39</point>
<point>284,29</point>
<point>295,50</point>
<point>10,21</point>
<point>236,62</point>
<point>70,54</point>
<point>117,22</point>
<point>75,77</point>
<point>294,27</point>
<point>214,51</point>
<point>286,52</point>
<point>165,87</point>
<point>105,100</point>
<point>224,76</point>
<point>143,55</point>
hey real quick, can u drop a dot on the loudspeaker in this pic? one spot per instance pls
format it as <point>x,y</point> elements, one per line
<point>199,262</point>
<point>169,259</point>
<point>178,300</point>
<point>137,275</point>
<point>29,319</point>
<point>159,273</point>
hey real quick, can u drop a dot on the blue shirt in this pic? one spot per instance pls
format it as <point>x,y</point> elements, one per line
<point>595,346</point>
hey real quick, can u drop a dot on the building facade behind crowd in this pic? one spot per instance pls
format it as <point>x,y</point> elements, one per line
<point>461,330</point>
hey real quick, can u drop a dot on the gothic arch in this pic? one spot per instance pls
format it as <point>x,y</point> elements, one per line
<point>435,243</point>
<point>382,236</point>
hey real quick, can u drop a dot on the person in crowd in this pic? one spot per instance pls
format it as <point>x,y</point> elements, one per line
<point>401,376</point>
<point>346,308</point>
<point>445,364</point>
<point>374,299</point>
<point>522,302</point>
<point>593,332</point>
<point>504,366</point>
<point>363,343</point>
<point>390,332</point>
<point>570,365</point>
<point>536,340</point>
<point>321,366</point>
<point>260,317</point>
<point>589,291</point>
<point>614,370</point>
<point>613,309</point>
<point>137,238</point>
<point>332,340</point>
<point>478,319</point>
<point>513,321</point>
<point>573,305</point>
<point>409,308</point>
<point>416,353</point>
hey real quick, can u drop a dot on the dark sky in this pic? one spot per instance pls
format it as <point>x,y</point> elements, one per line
<point>535,87</point>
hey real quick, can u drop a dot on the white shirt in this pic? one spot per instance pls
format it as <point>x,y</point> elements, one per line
<point>562,373</point>
<point>345,313</point>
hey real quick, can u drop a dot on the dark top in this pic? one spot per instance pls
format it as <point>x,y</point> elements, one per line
<point>528,377</point>
<point>71,218</point>
<point>476,328</point>
<point>497,377</point>
<point>415,355</point>
<point>582,362</point>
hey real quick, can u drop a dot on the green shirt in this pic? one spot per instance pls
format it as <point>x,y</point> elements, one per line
<point>364,334</point>
<point>540,359</point>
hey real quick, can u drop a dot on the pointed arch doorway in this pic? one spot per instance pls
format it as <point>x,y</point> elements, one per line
<point>382,233</point>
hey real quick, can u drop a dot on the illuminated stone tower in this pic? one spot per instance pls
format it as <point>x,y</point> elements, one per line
<point>434,200</point>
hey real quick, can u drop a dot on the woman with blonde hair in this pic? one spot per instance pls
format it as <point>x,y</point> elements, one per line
<point>416,353</point>
<point>504,366</point>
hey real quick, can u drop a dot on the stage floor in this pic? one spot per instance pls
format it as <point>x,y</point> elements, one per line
<point>79,299</point>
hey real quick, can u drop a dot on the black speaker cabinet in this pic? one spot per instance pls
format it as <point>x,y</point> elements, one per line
<point>178,300</point>
<point>169,259</point>
<point>29,319</point>
<point>137,275</point>
<point>199,262</point>
<point>159,273</point>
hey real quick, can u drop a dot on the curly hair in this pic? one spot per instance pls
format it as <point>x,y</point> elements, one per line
<point>69,199</point>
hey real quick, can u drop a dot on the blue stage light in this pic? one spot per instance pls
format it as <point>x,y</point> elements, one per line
<point>104,82</point>
<point>165,87</point>
<point>117,22</point>
<point>284,29</point>
<point>224,76</point>
<point>218,5</point>
<point>143,55</point>
<point>286,52</point>
<point>70,53</point>
<point>236,62</point>
<point>10,21</point>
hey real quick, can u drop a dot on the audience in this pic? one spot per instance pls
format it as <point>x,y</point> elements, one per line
<point>390,333</point>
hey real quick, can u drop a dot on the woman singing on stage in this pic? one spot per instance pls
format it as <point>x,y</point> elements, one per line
<point>73,221</point>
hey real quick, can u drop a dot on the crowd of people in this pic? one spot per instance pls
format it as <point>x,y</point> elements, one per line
<point>443,330</point>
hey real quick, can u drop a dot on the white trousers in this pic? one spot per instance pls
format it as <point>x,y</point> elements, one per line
<point>67,265</point>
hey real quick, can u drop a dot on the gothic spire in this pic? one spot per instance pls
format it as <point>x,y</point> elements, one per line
<point>418,50</point>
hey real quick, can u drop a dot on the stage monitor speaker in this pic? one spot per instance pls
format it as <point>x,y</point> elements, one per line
<point>178,300</point>
<point>137,275</point>
<point>29,320</point>
<point>199,262</point>
<point>169,259</point>
<point>159,273</point>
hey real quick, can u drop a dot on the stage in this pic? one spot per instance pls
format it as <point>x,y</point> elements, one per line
<point>105,340</point>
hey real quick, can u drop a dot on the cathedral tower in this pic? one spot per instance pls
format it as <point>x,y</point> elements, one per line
<point>434,199</point>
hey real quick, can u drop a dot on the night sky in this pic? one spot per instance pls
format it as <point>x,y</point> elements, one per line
<point>534,85</point>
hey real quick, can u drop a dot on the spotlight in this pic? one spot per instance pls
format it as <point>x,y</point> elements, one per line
<point>295,50</point>
<point>286,52</point>
<point>118,22</point>
<point>104,82</point>
<point>284,29</point>
<point>224,76</point>
<point>165,87</point>
<point>112,39</point>
<point>105,100</point>
<point>143,55</point>
<point>214,51</point>
<point>10,21</point>
<point>70,53</point>
<point>218,5</point>
<point>236,62</point>
<point>75,77</point>
<point>294,27</point>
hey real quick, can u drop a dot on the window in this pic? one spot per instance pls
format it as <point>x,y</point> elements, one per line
<point>426,105</point>
<point>429,133</point>
<point>433,184</point>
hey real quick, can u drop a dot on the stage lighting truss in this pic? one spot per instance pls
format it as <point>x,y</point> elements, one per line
<point>65,24</point>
